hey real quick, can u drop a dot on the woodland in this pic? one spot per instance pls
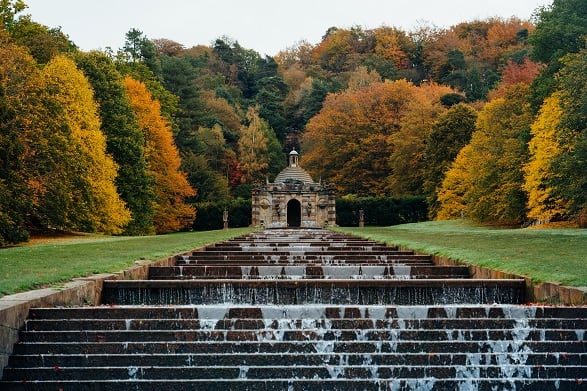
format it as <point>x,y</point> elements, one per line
<point>486,120</point>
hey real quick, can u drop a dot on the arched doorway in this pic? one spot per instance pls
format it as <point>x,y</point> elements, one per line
<point>294,213</point>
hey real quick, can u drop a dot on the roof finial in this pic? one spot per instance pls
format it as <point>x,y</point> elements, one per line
<point>293,158</point>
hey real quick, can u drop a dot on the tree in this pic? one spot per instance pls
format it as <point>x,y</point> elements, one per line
<point>8,11</point>
<point>252,147</point>
<point>560,29</point>
<point>543,206</point>
<point>570,183</point>
<point>124,140</point>
<point>352,134</point>
<point>408,151</point>
<point>485,182</point>
<point>450,133</point>
<point>24,142</point>
<point>93,202</point>
<point>170,184</point>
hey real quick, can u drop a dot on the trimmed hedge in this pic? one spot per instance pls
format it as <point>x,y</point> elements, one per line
<point>381,211</point>
<point>378,211</point>
<point>209,215</point>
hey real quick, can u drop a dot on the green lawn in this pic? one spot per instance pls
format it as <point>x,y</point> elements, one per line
<point>552,255</point>
<point>46,262</point>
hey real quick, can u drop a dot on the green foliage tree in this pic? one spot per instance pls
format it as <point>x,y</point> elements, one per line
<point>560,29</point>
<point>9,9</point>
<point>22,164</point>
<point>124,139</point>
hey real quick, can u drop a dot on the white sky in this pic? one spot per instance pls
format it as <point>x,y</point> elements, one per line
<point>266,26</point>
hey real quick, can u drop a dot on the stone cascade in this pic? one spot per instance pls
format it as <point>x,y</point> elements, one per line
<point>303,310</point>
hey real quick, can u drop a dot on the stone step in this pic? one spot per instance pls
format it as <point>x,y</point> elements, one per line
<point>287,334</point>
<point>384,372</point>
<point>309,271</point>
<point>276,261</point>
<point>310,249</point>
<point>471,383</point>
<point>314,291</point>
<point>448,325</point>
<point>300,347</point>
<point>301,254</point>
<point>282,359</point>
<point>407,313</point>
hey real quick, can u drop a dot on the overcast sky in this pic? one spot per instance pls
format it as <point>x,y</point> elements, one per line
<point>266,26</point>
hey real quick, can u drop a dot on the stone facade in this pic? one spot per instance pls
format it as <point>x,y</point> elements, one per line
<point>294,200</point>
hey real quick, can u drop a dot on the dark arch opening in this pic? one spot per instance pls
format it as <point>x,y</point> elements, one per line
<point>294,213</point>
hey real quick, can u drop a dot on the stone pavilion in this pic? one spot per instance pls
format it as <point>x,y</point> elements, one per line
<point>294,200</point>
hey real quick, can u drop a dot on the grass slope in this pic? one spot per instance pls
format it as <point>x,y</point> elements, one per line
<point>546,255</point>
<point>45,262</point>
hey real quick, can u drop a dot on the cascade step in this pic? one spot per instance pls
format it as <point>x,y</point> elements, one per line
<point>317,311</point>
<point>369,371</point>
<point>364,347</point>
<point>301,324</point>
<point>309,271</point>
<point>471,383</point>
<point>283,359</point>
<point>314,291</point>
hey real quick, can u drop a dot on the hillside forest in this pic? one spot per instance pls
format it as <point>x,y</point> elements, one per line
<point>486,119</point>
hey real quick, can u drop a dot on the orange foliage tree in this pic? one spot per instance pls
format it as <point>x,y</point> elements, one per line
<point>349,140</point>
<point>408,158</point>
<point>172,213</point>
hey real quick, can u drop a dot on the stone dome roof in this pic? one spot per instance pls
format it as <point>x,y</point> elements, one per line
<point>293,172</point>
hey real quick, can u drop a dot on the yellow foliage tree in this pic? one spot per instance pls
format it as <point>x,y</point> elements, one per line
<point>543,147</point>
<point>171,186</point>
<point>455,185</point>
<point>91,167</point>
<point>252,147</point>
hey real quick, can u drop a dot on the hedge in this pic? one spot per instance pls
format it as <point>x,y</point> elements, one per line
<point>381,211</point>
<point>210,214</point>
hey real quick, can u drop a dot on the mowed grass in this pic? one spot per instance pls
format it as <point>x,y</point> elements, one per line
<point>546,255</point>
<point>51,261</point>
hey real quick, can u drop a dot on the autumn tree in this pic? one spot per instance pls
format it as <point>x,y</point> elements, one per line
<point>352,134</point>
<point>252,147</point>
<point>125,141</point>
<point>408,151</point>
<point>543,206</point>
<point>25,145</point>
<point>570,183</point>
<point>485,182</point>
<point>450,133</point>
<point>170,184</point>
<point>93,203</point>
